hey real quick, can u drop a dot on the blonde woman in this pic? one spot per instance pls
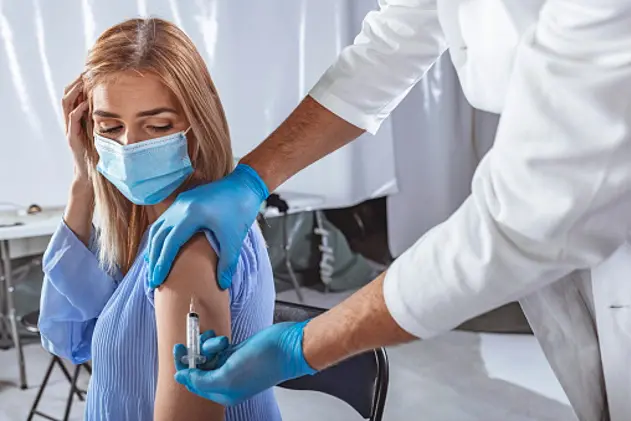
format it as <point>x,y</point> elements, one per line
<point>144,123</point>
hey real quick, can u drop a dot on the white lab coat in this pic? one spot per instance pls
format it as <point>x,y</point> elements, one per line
<point>551,200</point>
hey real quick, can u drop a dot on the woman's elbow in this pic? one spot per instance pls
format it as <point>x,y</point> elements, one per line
<point>60,340</point>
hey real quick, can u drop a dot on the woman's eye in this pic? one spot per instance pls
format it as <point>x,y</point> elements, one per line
<point>161,128</point>
<point>110,129</point>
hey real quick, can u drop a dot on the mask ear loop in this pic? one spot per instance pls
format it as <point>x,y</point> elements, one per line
<point>196,145</point>
<point>191,175</point>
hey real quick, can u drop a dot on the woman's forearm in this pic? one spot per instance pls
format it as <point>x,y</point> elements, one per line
<point>309,133</point>
<point>359,324</point>
<point>80,209</point>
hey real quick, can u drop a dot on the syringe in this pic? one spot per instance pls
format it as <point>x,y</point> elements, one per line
<point>193,356</point>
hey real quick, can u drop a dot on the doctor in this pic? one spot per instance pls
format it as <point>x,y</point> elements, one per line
<point>547,222</point>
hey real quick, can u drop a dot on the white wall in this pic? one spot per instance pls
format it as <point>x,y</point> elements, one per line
<point>263,56</point>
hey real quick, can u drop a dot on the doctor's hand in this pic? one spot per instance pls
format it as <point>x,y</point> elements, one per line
<point>227,208</point>
<point>268,358</point>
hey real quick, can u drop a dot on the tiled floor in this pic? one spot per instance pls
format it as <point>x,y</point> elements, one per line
<point>458,377</point>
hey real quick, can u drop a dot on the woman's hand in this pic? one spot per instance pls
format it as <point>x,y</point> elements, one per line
<point>78,214</point>
<point>75,105</point>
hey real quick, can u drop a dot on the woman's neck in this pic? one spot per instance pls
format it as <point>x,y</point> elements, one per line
<point>154,211</point>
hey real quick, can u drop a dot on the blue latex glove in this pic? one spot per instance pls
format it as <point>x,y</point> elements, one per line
<point>215,345</point>
<point>266,359</point>
<point>227,208</point>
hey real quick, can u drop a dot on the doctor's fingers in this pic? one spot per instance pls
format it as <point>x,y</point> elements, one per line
<point>156,238</point>
<point>179,351</point>
<point>213,346</point>
<point>165,249</point>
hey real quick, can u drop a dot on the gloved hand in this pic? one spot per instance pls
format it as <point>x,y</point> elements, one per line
<point>214,346</point>
<point>227,208</point>
<point>266,359</point>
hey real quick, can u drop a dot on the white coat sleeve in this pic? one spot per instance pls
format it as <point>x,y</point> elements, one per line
<point>554,192</point>
<point>395,48</point>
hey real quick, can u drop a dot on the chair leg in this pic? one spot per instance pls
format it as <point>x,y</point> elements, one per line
<point>290,269</point>
<point>67,374</point>
<point>73,389</point>
<point>41,389</point>
<point>10,310</point>
<point>88,368</point>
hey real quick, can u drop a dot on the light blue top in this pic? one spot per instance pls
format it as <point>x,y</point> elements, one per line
<point>86,314</point>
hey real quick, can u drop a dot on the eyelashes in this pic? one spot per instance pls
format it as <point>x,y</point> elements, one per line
<point>157,129</point>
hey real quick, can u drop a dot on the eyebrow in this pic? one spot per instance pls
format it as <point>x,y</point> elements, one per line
<point>147,113</point>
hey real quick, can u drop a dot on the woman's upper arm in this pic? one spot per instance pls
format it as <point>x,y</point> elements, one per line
<point>193,275</point>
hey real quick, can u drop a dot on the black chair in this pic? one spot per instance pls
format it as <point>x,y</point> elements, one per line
<point>360,381</point>
<point>30,323</point>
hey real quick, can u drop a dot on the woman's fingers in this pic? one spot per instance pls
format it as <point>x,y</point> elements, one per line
<point>74,82</point>
<point>69,101</point>
<point>74,122</point>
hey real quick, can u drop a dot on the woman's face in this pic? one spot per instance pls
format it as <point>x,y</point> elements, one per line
<point>133,107</point>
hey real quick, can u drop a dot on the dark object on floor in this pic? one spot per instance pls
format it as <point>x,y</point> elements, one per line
<point>30,323</point>
<point>308,247</point>
<point>365,226</point>
<point>33,209</point>
<point>360,381</point>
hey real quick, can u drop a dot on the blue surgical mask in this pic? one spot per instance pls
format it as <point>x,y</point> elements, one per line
<point>145,172</point>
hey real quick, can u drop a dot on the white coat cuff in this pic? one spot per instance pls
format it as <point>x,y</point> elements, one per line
<point>399,309</point>
<point>338,106</point>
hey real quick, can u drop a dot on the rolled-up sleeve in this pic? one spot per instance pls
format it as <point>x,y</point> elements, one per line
<point>74,292</point>
<point>554,193</point>
<point>395,48</point>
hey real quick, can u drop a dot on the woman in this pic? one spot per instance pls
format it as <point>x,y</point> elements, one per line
<point>144,123</point>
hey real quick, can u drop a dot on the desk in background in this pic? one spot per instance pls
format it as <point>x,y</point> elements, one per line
<point>20,236</point>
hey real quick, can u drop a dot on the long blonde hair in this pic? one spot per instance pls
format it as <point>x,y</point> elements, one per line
<point>154,46</point>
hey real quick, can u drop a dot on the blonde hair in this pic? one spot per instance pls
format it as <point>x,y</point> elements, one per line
<point>159,47</point>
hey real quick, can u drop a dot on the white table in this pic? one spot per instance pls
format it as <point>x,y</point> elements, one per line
<point>17,231</point>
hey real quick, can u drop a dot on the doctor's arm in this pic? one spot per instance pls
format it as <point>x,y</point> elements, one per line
<point>553,195</point>
<point>397,45</point>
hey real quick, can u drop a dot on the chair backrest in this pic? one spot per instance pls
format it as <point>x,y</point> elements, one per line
<point>361,381</point>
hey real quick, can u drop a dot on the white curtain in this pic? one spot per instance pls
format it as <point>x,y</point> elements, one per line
<point>263,57</point>
<point>439,141</point>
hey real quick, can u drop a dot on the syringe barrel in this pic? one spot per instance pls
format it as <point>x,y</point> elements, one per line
<point>192,339</point>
